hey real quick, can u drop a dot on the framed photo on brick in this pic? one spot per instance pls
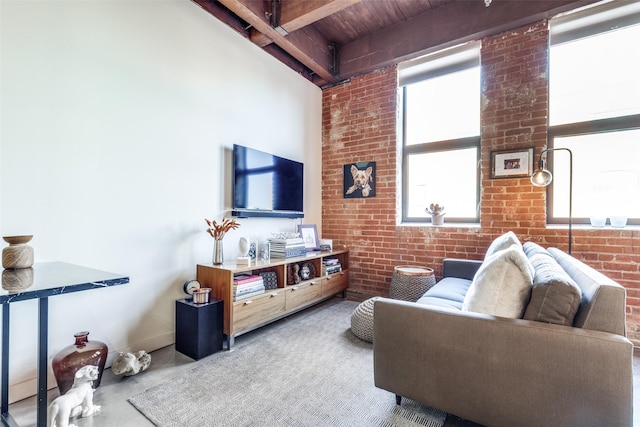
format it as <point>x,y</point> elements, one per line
<point>512,163</point>
<point>359,180</point>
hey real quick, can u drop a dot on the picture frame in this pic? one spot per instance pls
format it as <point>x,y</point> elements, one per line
<point>516,163</point>
<point>309,233</point>
<point>359,180</point>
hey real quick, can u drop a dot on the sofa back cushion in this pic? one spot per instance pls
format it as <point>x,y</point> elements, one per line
<point>502,284</point>
<point>555,297</point>
<point>603,303</point>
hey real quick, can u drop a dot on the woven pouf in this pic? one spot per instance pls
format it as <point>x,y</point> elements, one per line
<point>362,320</point>
<point>409,283</point>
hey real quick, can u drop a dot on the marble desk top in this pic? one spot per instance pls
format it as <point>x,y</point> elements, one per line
<point>53,278</point>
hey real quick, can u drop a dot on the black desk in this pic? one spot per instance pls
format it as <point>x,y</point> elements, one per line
<point>41,282</point>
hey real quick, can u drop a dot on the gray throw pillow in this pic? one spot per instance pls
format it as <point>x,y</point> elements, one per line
<point>555,296</point>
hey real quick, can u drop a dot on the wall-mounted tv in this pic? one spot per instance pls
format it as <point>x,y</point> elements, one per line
<point>265,185</point>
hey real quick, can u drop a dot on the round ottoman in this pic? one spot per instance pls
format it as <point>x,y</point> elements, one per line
<point>409,283</point>
<point>362,320</point>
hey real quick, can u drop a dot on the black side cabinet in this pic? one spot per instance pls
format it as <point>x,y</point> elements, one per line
<point>199,328</point>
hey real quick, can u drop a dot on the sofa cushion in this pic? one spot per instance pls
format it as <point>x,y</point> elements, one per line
<point>447,293</point>
<point>555,297</point>
<point>502,285</point>
<point>503,242</point>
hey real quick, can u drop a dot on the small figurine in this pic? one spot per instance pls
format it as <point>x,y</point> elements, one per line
<point>128,364</point>
<point>296,275</point>
<point>78,400</point>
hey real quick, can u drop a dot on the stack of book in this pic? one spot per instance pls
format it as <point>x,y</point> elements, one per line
<point>330,266</point>
<point>285,248</point>
<point>247,286</point>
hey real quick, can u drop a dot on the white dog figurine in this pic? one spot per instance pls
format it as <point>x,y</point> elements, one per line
<point>78,400</point>
<point>361,180</point>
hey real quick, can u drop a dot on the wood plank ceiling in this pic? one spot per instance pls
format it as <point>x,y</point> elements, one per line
<point>329,41</point>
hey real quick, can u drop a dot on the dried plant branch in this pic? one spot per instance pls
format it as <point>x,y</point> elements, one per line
<point>217,231</point>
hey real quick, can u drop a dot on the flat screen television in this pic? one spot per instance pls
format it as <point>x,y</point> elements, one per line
<point>265,185</point>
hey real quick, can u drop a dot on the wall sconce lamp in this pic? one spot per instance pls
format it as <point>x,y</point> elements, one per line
<point>542,178</point>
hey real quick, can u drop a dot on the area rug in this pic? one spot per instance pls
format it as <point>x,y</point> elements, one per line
<point>305,370</point>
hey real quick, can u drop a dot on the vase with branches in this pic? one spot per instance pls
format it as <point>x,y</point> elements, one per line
<point>218,231</point>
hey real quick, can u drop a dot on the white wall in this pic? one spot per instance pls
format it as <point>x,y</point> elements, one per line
<point>117,118</point>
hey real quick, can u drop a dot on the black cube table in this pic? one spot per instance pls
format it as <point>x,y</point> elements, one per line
<point>199,327</point>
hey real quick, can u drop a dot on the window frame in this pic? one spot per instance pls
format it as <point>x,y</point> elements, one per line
<point>444,62</point>
<point>587,22</point>
<point>614,124</point>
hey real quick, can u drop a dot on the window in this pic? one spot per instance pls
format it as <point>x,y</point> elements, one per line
<point>594,110</point>
<point>441,134</point>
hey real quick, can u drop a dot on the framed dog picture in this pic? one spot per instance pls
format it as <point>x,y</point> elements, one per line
<point>359,180</point>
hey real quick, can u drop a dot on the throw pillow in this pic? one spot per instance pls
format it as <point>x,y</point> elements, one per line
<point>555,296</point>
<point>502,285</point>
<point>503,242</point>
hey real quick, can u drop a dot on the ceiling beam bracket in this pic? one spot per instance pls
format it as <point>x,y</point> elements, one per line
<point>333,66</point>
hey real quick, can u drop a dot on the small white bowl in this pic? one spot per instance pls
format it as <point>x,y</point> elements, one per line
<point>618,221</point>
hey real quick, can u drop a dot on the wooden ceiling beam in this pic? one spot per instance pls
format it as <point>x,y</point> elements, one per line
<point>432,31</point>
<point>305,45</point>
<point>295,15</point>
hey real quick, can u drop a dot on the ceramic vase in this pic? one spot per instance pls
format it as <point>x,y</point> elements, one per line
<point>18,254</point>
<point>218,258</point>
<point>73,357</point>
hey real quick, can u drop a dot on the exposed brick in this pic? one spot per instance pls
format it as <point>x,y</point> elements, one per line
<point>359,124</point>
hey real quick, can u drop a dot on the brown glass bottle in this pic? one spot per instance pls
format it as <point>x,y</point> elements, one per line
<point>73,357</point>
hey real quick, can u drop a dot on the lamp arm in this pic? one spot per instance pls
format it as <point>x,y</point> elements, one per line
<point>541,166</point>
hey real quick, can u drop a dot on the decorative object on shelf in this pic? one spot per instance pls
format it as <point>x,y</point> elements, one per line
<point>309,233</point>
<point>77,401</point>
<point>289,275</point>
<point>18,254</point>
<point>244,248</point>
<point>265,254</point>
<point>326,244</point>
<point>15,280</point>
<point>511,163</point>
<point>201,296</point>
<point>598,221</point>
<point>307,271</point>
<point>253,250</point>
<point>542,178</point>
<point>437,213</point>
<point>359,180</point>
<point>296,273</point>
<point>129,364</point>
<point>218,231</point>
<point>73,357</point>
<point>270,279</point>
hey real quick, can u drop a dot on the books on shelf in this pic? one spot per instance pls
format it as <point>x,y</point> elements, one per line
<point>286,248</point>
<point>247,285</point>
<point>331,266</point>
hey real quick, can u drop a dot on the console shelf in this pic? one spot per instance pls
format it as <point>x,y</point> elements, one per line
<point>291,295</point>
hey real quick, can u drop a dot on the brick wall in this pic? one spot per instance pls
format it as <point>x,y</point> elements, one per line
<point>360,120</point>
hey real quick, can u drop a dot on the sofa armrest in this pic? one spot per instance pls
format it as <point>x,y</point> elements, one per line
<point>502,372</point>
<point>461,268</point>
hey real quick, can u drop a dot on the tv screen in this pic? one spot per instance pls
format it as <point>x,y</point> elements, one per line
<point>265,184</point>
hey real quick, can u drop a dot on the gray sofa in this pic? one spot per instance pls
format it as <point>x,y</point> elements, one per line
<point>499,371</point>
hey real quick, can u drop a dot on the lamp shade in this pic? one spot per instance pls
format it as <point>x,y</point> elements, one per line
<point>541,178</point>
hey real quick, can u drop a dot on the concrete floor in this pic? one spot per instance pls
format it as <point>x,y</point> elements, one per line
<point>166,364</point>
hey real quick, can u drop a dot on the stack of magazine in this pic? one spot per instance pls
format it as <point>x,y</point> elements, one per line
<point>330,266</point>
<point>286,248</point>
<point>247,286</point>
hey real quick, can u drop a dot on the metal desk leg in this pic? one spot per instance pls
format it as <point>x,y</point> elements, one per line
<point>43,342</point>
<point>4,391</point>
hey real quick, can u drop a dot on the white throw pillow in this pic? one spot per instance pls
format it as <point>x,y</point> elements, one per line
<point>502,285</point>
<point>503,242</point>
